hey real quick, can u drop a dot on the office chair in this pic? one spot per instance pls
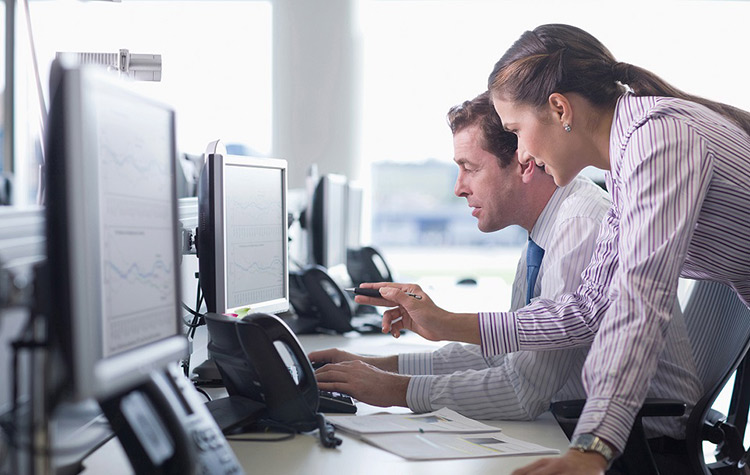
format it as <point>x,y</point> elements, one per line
<point>718,327</point>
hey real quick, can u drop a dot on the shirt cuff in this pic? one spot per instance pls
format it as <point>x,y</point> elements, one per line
<point>418,393</point>
<point>415,363</point>
<point>607,420</point>
<point>498,334</point>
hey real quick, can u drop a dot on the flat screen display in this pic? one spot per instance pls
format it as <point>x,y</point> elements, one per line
<point>137,238</point>
<point>255,238</point>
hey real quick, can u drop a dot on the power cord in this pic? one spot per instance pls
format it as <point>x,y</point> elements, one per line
<point>203,391</point>
<point>289,433</point>
<point>327,432</point>
<point>197,321</point>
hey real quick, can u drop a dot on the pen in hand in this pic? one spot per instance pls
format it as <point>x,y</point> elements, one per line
<point>376,293</point>
<point>365,292</point>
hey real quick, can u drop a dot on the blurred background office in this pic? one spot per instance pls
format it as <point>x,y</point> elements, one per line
<point>361,88</point>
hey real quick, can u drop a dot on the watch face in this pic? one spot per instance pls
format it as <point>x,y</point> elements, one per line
<point>583,441</point>
<point>592,443</point>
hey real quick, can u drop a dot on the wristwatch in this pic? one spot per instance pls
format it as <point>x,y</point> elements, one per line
<point>592,443</point>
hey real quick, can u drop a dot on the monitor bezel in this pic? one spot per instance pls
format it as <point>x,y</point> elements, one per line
<point>320,220</point>
<point>220,164</point>
<point>74,247</point>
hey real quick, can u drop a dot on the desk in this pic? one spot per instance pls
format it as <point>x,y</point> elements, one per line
<point>304,454</point>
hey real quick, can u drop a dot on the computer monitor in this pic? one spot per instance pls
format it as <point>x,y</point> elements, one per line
<point>354,202</point>
<point>111,233</point>
<point>327,229</point>
<point>242,234</point>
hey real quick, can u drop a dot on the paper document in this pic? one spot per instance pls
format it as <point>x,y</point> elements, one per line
<point>441,446</point>
<point>442,420</point>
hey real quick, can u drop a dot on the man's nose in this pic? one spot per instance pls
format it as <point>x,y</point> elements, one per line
<point>459,189</point>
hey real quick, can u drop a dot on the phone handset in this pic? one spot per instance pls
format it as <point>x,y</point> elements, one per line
<point>331,304</point>
<point>262,336</point>
<point>366,264</point>
<point>260,359</point>
<point>278,398</point>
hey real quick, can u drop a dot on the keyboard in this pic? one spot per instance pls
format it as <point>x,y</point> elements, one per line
<point>331,401</point>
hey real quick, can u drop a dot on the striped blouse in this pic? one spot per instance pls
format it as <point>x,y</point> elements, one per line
<point>680,187</point>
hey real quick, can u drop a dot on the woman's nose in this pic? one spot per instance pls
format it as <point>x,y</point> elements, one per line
<point>523,156</point>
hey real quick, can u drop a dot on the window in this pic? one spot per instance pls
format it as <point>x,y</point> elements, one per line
<point>216,63</point>
<point>421,57</point>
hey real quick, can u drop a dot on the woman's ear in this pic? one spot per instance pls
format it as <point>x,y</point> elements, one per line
<point>561,109</point>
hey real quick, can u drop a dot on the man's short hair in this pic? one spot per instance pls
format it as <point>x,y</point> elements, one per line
<point>480,111</point>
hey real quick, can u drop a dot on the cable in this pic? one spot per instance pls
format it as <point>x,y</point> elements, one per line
<point>202,391</point>
<point>327,432</point>
<point>287,436</point>
<point>267,425</point>
<point>197,321</point>
<point>192,312</point>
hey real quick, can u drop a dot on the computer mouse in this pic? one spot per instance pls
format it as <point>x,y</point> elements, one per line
<point>467,281</point>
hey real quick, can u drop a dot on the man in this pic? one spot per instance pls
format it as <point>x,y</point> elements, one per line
<point>562,225</point>
<point>561,221</point>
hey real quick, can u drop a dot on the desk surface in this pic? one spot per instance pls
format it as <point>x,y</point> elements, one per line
<point>304,454</point>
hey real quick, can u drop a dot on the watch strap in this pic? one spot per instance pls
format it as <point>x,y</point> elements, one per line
<point>592,443</point>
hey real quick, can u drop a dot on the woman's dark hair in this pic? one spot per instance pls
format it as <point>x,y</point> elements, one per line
<point>480,111</point>
<point>562,58</point>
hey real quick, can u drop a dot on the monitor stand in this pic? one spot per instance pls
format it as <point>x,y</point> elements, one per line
<point>299,325</point>
<point>207,373</point>
<point>235,413</point>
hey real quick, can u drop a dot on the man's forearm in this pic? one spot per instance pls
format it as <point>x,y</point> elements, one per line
<point>386,363</point>
<point>465,328</point>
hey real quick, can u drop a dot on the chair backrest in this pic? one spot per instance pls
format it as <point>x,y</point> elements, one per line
<point>718,326</point>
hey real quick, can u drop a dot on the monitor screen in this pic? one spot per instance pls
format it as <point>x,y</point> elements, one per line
<point>112,237</point>
<point>242,241</point>
<point>328,221</point>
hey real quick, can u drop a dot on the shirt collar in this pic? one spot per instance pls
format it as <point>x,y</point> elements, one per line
<point>541,233</point>
<point>630,113</point>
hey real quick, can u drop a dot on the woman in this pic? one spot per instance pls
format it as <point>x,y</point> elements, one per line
<point>679,175</point>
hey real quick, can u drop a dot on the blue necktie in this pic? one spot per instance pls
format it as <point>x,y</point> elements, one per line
<point>534,255</point>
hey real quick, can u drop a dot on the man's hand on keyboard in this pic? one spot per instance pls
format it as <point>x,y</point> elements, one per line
<point>364,382</point>
<point>333,355</point>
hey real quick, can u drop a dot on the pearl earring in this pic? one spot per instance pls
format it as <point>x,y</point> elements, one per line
<point>566,126</point>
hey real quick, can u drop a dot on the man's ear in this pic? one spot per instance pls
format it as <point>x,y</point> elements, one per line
<point>529,170</point>
<point>561,109</point>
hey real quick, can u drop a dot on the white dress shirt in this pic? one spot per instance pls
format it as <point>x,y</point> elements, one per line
<point>520,385</point>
